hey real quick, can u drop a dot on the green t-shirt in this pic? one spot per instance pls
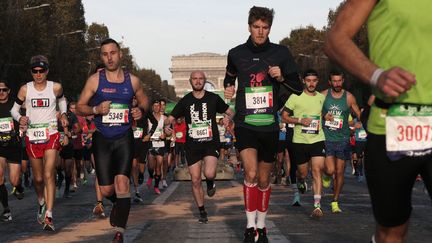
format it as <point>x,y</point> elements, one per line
<point>306,106</point>
<point>400,34</point>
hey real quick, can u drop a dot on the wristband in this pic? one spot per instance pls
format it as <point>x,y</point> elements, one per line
<point>375,76</point>
<point>94,110</point>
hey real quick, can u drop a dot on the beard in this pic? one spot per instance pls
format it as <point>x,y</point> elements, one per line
<point>337,89</point>
<point>199,88</point>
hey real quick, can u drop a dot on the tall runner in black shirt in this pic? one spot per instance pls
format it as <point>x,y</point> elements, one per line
<point>260,67</point>
<point>10,151</point>
<point>202,141</point>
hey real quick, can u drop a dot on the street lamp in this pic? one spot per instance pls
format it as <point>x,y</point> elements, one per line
<point>70,33</point>
<point>36,7</point>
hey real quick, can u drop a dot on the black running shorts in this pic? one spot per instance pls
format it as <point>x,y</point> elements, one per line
<point>12,153</point>
<point>302,153</point>
<point>390,183</point>
<point>112,156</point>
<point>195,155</point>
<point>266,143</point>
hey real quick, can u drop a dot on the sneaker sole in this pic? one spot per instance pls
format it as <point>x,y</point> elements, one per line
<point>48,228</point>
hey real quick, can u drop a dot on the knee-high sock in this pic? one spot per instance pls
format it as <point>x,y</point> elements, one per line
<point>4,196</point>
<point>123,205</point>
<point>157,180</point>
<point>250,193</point>
<point>151,172</point>
<point>68,179</point>
<point>262,207</point>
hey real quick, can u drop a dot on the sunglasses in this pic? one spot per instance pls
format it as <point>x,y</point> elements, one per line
<point>34,71</point>
<point>4,90</point>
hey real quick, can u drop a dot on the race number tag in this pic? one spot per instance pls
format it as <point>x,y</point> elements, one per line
<point>337,123</point>
<point>408,131</point>
<point>314,126</point>
<point>259,105</point>
<point>201,131</point>
<point>6,124</point>
<point>118,113</point>
<point>179,135</point>
<point>259,97</point>
<point>362,134</point>
<point>138,132</point>
<point>38,133</point>
<point>158,144</point>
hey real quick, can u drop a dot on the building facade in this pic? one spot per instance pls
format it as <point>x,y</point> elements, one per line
<point>213,65</point>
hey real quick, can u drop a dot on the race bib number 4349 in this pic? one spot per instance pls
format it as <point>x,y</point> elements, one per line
<point>409,130</point>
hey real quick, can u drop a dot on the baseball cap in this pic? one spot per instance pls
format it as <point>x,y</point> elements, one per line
<point>39,61</point>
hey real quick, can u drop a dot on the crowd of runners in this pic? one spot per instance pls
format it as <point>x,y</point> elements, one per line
<point>282,131</point>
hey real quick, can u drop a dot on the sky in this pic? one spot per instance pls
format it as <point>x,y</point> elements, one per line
<point>157,30</point>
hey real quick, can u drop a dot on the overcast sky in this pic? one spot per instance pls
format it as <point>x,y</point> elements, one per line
<point>157,30</point>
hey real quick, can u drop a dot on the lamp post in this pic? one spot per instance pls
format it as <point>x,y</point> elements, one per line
<point>36,7</point>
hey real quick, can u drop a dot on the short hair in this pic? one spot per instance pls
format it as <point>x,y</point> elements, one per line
<point>110,41</point>
<point>335,72</point>
<point>162,100</point>
<point>310,72</point>
<point>261,13</point>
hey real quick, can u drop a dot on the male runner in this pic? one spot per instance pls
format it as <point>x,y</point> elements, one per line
<point>10,151</point>
<point>337,107</point>
<point>304,111</point>
<point>259,66</point>
<point>400,75</point>
<point>202,141</point>
<point>108,95</point>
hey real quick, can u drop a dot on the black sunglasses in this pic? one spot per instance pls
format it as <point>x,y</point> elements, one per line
<point>43,70</point>
<point>4,90</point>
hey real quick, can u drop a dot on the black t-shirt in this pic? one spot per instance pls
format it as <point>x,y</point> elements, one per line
<point>9,128</point>
<point>200,117</point>
<point>257,99</point>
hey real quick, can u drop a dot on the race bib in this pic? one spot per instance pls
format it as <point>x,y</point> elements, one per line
<point>156,135</point>
<point>118,114</point>
<point>259,105</point>
<point>179,135</point>
<point>38,133</point>
<point>6,124</point>
<point>408,131</point>
<point>158,144</point>
<point>337,123</point>
<point>314,126</point>
<point>138,132</point>
<point>201,131</point>
<point>362,134</point>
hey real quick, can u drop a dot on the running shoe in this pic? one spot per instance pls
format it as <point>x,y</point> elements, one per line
<point>118,237</point>
<point>98,210</point>
<point>157,191</point>
<point>164,184</point>
<point>84,182</point>
<point>203,217</point>
<point>249,235</point>
<point>326,180</point>
<point>18,195</point>
<point>149,182</point>
<point>7,215</point>
<point>48,224</point>
<point>335,207</point>
<point>113,215</point>
<point>317,212</point>
<point>302,186</point>
<point>137,198</point>
<point>41,213</point>
<point>296,201</point>
<point>211,191</point>
<point>262,235</point>
<point>140,178</point>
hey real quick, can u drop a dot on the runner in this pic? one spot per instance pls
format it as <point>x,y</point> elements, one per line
<point>399,72</point>
<point>108,95</point>
<point>338,105</point>
<point>259,66</point>
<point>10,151</point>
<point>202,142</point>
<point>42,138</point>
<point>308,140</point>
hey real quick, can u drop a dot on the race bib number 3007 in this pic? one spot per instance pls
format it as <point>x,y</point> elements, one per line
<point>408,131</point>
